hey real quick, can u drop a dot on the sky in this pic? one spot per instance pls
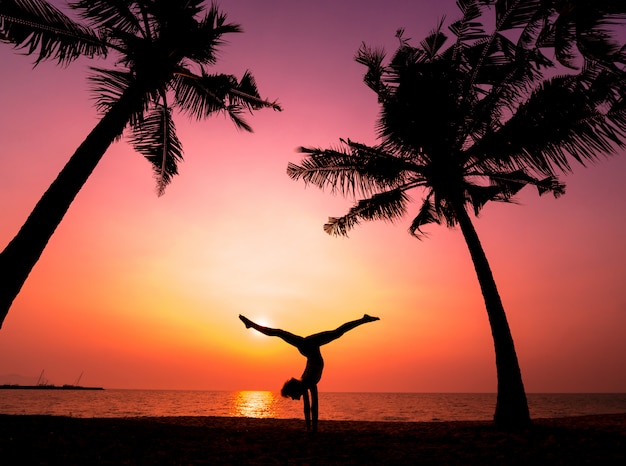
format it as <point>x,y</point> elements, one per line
<point>140,291</point>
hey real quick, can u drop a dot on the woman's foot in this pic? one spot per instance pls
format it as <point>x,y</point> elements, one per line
<point>247,322</point>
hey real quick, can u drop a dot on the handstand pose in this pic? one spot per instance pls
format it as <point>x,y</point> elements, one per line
<point>309,347</point>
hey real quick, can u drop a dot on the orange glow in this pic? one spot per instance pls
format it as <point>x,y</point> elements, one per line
<point>259,404</point>
<point>138,291</point>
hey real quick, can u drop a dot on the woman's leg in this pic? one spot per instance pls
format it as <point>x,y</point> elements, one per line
<point>290,338</point>
<point>322,338</point>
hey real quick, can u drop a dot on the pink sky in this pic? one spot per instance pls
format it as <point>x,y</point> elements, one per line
<point>143,292</point>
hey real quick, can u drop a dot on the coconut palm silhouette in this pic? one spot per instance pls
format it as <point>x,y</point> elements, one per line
<point>161,52</point>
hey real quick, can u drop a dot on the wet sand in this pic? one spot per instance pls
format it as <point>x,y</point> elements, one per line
<point>57,440</point>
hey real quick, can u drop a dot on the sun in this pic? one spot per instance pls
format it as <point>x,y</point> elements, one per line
<point>262,321</point>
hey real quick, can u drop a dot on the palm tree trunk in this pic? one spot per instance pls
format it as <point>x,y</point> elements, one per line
<point>511,404</point>
<point>24,250</point>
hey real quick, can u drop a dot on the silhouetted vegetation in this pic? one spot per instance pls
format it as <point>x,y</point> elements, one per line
<point>159,53</point>
<point>472,121</point>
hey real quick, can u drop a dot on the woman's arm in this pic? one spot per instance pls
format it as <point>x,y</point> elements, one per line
<point>307,409</point>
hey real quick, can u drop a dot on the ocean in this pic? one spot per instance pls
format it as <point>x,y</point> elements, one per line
<point>266,404</point>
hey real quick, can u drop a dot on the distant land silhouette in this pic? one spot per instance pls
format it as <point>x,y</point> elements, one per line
<point>47,387</point>
<point>20,382</point>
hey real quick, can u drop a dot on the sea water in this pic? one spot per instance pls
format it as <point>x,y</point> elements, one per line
<point>265,404</point>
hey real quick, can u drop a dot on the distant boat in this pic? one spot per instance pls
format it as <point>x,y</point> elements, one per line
<point>42,384</point>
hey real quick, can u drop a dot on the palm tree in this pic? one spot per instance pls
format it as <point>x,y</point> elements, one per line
<point>465,125</point>
<point>162,50</point>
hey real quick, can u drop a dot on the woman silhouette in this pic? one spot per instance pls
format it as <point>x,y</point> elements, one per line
<point>309,347</point>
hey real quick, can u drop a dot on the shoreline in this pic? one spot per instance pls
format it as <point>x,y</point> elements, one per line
<point>47,387</point>
<point>45,439</point>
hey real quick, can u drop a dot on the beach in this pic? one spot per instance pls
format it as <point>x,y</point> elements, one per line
<point>59,440</point>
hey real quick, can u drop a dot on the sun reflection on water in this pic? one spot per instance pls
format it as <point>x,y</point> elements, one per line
<point>251,403</point>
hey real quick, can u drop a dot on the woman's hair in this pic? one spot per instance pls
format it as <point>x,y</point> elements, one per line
<point>293,388</point>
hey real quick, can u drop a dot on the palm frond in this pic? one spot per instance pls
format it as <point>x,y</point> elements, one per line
<point>501,99</point>
<point>122,15</point>
<point>479,196</point>
<point>109,86</point>
<point>560,120</point>
<point>389,206</point>
<point>329,168</point>
<point>513,14</point>
<point>564,43</point>
<point>433,42</point>
<point>511,183</point>
<point>198,39</point>
<point>210,30</point>
<point>507,76</point>
<point>351,169</point>
<point>602,40</point>
<point>537,33</point>
<point>38,28</point>
<point>493,66</point>
<point>385,169</point>
<point>509,14</point>
<point>373,59</point>
<point>551,184</point>
<point>578,31</point>
<point>202,96</point>
<point>427,214</point>
<point>422,109</point>
<point>166,13</point>
<point>246,95</point>
<point>155,138</point>
<point>467,28</point>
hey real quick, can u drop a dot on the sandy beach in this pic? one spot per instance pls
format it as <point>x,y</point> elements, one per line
<point>48,440</point>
